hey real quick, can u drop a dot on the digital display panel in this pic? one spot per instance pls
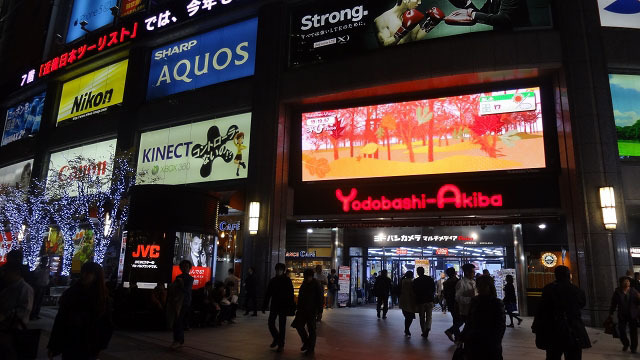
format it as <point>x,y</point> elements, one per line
<point>96,13</point>
<point>479,132</point>
<point>16,175</point>
<point>199,249</point>
<point>625,96</point>
<point>23,120</point>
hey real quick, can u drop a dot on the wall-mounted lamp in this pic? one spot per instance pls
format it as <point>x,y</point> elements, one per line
<point>608,205</point>
<point>254,217</point>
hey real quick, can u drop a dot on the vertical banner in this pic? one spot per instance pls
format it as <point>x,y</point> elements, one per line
<point>344,275</point>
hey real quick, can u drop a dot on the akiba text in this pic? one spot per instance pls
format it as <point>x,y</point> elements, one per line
<point>168,152</point>
<point>447,196</point>
<point>90,100</point>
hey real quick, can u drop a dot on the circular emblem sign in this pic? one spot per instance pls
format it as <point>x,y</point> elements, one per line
<point>549,259</point>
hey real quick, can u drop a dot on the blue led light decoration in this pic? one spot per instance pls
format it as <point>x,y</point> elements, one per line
<point>15,210</point>
<point>37,223</point>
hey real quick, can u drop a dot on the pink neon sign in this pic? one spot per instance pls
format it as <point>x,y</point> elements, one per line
<point>448,195</point>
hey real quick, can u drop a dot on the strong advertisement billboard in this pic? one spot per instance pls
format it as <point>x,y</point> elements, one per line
<point>211,150</point>
<point>620,13</point>
<point>23,119</point>
<point>93,93</point>
<point>16,175</point>
<point>325,30</point>
<point>97,13</point>
<point>478,132</point>
<point>217,56</point>
<point>625,95</point>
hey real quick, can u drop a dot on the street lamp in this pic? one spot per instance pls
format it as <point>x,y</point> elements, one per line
<point>309,231</point>
<point>254,217</point>
<point>608,205</point>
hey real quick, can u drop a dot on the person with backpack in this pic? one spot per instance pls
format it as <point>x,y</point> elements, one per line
<point>626,300</point>
<point>558,323</point>
<point>382,290</point>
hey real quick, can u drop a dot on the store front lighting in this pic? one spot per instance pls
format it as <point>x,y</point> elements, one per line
<point>542,226</point>
<point>309,231</point>
<point>254,217</point>
<point>608,205</point>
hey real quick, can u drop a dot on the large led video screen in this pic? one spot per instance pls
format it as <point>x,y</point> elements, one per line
<point>23,120</point>
<point>490,131</point>
<point>625,95</point>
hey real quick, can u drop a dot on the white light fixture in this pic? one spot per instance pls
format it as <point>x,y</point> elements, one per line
<point>309,230</point>
<point>542,226</point>
<point>474,236</point>
<point>254,217</point>
<point>107,224</point>
<point>608,205</point>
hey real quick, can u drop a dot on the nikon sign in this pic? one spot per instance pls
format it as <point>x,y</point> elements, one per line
<point>93,93</point>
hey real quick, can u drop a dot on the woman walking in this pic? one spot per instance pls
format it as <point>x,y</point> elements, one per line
<point>510,302</point>
<point>83,325</point>
<point>626,300</point>
<point>407,301</point>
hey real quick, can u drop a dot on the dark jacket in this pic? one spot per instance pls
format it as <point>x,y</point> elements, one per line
<point>382,286</point>
<point>425,288</point>
<point>333,284</point>
<point>509,294</point>
<point>484,329</point>
<point>310,299</point>
<point>80,330</point>
<point>250,285</point>
<point>280,291</point>
<point>449,292</point>
<point>187,289</point>
<point>503,14</point>
<point>627,309</point>
<point>558,323</point>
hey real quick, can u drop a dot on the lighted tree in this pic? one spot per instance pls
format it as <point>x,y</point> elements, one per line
<point>15,212</point>
<point>37,223</point>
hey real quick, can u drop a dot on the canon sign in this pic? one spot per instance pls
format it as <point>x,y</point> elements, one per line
<point>314,21</point>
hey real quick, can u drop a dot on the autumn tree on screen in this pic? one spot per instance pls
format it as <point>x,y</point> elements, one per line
<point>406,124</point>
<point>485,131</point>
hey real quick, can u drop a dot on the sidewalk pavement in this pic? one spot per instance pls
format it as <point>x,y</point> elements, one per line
<point>345,333</point>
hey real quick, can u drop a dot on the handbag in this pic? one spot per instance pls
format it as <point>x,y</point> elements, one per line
<point>611,328</point>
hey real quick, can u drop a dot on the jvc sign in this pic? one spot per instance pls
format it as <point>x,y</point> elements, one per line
<point>217,56</point>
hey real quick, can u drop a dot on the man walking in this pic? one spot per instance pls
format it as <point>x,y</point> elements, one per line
<point>280,291</point>
<point>310,300</point>
<point>449,293</point>
<point>382,289</point>
<point>322,279</point>
<point>424,288</point>
<point>465,291</point>
<point>332,289</point>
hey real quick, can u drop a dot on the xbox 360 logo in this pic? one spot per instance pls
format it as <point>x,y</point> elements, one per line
<point>155,170</point>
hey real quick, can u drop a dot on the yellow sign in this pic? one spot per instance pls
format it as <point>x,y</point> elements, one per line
<point>93,93</point>
<point>549,259</point>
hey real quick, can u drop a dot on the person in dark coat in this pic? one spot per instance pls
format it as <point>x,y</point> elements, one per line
<point>251,292</point>
<point>280,292</point>
<point>485,326</point>
<point>83,326</point>
<point>180,322</point>
<point>510,301</point>
<point>408,301</point>
<point>382,289</point>
<point>424,288</point>
<point>626,299</point>
<point>558,323</point>
<point>310,302</point>
<point>449,293</point>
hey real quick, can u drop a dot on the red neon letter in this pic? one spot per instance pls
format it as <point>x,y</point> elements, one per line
<point>346,201</point>
<point>455,199</point>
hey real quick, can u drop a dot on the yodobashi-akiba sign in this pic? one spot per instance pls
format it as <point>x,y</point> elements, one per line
<point>205,151</point>
<point>217,56</point>
<point>449,196</point>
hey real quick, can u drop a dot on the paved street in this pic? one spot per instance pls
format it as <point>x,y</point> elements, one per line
<point>343,334</point>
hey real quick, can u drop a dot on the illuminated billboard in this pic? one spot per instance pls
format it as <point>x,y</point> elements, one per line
<point>96,14</point>
<point>468,133</point>
<point>16,175</point>
<point>620,13</point>
<point>93,93</point>
<point>23,120</point>
<point>333,29</point>
<point>625,96</point>
<point>210,150</point>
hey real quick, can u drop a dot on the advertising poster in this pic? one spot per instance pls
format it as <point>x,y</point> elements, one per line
<point>344,278</point>
<point>620,13</point>
<point>64,166</point>
<point>16,175</point>
<point>83,244</point>
<point>205,151</point>
<point>468,133</point>
<point>214,57</point>
<point>23,120</point>
<point>199,250</point>
<point>326,30</point>
<point>625,96</point>
<point>93,93</point>
<point>128,7</point>
<point>97,13</point>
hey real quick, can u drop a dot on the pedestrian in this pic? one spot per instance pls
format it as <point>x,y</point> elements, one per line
<point>558,324</point>
<point>636,277</point>
<point>158,303</point>
<point>485,325</point>
<point>40,285</point>
<point>626,299</point>
<point>310,301</point>
<point>465,291</point>
<point>371,287</point>
<point>232,284</point>
<point>440,293</point>
<point>424,289</point>
<point>332,289</point>
<point>251,292</point>
<point>83,326</point>
<point>322,279</point>
<point>510,301</point>
<point>407,301</point>
<point>16,302</point>
<point>280,292</point>
<point>183,287</point>
<point>449,292</point>
<point>634,280</point>
<point>15,257</point>
<point>175,299</point>
<point>382,290</point>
